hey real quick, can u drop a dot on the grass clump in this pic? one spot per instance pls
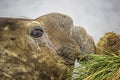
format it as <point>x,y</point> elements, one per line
<point>99,67</point>
<point>105,64</point>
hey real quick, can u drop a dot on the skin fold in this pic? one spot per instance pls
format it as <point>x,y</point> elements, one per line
<point>47,56</point>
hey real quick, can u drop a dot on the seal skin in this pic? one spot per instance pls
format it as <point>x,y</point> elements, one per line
<point>70,41</point>
<point>58,27</point>
<point>84,40</point>
<point>109,43</point>
<point>46,57</point>
<point>23,57</point>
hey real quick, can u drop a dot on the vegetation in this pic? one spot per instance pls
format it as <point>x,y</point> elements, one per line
<point>105,64</point>
<point>99,67</point>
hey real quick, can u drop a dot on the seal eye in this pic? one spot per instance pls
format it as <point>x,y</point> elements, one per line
<point>37,32</point>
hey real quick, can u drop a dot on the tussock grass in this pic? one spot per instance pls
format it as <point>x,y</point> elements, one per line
<point>105,64</point>
<point>99,67</point>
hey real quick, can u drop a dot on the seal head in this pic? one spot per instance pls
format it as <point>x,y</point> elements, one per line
<point>26,53</point>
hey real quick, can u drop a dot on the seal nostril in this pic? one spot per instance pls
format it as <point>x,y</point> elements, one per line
<point>13,38</point>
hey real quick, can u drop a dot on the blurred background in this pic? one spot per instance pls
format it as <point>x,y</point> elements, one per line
<point>96,16</point>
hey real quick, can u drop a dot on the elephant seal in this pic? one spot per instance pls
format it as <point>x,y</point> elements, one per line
<point>70,41</point>
<point>26,53</point>
<point>39,49</point>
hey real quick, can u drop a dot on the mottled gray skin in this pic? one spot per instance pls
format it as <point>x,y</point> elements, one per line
<point>67,37</point>
<point>84,40</point>
<point>48,57</point>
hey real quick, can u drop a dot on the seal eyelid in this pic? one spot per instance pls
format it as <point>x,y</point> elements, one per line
<point>37,32</point>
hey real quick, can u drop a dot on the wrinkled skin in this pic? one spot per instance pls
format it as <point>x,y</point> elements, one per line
<point>23,57</point>
<point>46,57</point>
<point>70,41</point>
